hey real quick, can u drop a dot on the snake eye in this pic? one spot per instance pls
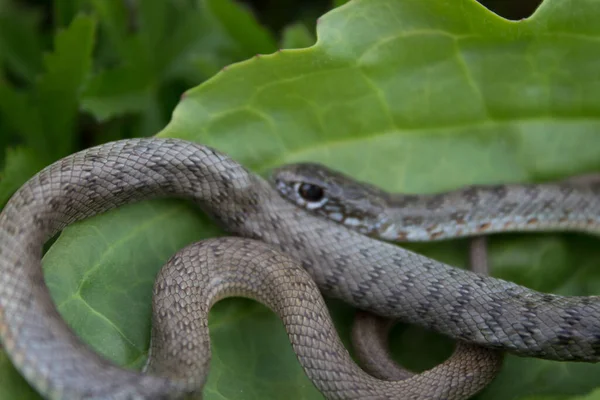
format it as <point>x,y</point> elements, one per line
<point>312,193</point>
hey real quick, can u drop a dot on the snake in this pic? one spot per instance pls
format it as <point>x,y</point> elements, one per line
<point>370,336</point>
<point>292,255</point>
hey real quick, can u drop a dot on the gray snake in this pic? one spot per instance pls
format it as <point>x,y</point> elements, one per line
<point>372,275</point>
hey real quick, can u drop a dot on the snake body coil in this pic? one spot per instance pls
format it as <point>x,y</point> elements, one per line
<point>369,274</point>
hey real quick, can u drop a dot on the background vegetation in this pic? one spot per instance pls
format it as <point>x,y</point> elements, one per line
<point>81,72</point>
<point>120,73</point>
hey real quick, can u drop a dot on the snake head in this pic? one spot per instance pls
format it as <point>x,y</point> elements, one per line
<point>331,194</point>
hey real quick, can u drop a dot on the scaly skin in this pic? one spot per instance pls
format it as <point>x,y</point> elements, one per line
<point>480,310</point>
<point>569,205</point>
<point>370,334</point>
<point>369,274</point>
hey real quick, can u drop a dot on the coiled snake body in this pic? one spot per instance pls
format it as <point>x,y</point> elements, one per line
<point>372,275</point>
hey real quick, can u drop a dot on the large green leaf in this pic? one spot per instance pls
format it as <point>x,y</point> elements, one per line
<point>413,95</point>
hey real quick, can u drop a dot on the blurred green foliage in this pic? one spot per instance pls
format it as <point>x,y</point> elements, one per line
<point>74,73</point>
<point>81,72</point>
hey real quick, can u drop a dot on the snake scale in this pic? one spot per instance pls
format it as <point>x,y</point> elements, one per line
<point>372,275</point>
<point>370,336</point>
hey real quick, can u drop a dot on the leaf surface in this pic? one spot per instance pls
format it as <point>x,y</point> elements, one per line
<point>412,95</point>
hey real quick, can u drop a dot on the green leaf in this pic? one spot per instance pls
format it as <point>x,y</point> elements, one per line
<point>82,292</point>
<point>337,3</point>
<point>18,112</point>
<point>242,27</point>
<point>20,47</point>
<point>159,43</point>
<point>595,395</point>
<point>20,165</point>
<point>297,36</point>
<point>414,96</point>
<point>58,90</point>
<point>46,116</point>
<point>13,385</point>
<point>117,91</point>
<point>215,46</point>
<point>115,20</point>
<point>64,11</point>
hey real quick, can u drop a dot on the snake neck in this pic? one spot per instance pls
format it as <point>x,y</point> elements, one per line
<point>565,206</point>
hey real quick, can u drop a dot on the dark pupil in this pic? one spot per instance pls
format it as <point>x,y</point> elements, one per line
<point>310,192</point>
